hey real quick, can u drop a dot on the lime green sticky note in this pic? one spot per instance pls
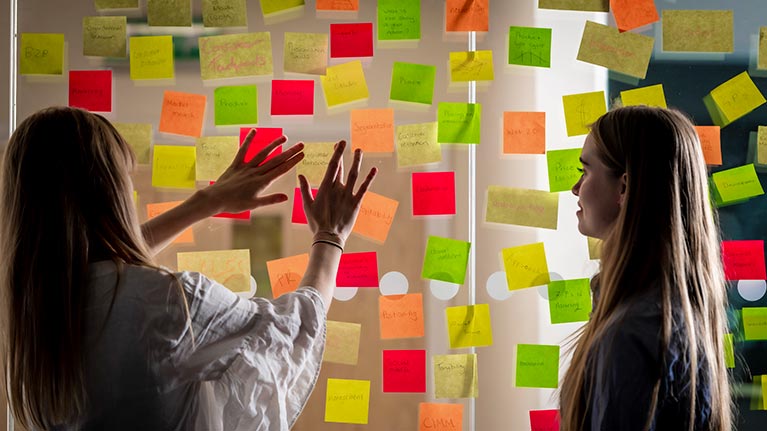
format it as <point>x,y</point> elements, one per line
<point>417,144</point>
<point>569,300</point>
<point>525,266</point>
<point>564,168</point>
<point>412,82</point>
<point>399,19</point>
<point>537,366</point>
<point>305,53</point>
<point>139,137</point>
<point>471,66</point>
<point>235,55</point>
<point>729,351</point>
<point>698,30</point>
<point>344,83</point>
<point>274,6</point>
<point>115,4</point>
<point>737,183</point>
<point>41,54</point>
<point>173,166</point>
<point>236,105</point>
<point>652,95</point>
<point>458,123</point>
<point>736,98</point>
<point>469,326</point>
<point>522,207</point>
<point>624,52</point>
<point>583,109</point>
<point>151,57</point>
<point>172,13</point>
<point>214,155</point>
<point>755,323</point>
<point>105,36</point>
<point>347,401</point>
<point>224,13</point>
<point>455,376</point>
<point>446,259</point>
<point>530,46</point>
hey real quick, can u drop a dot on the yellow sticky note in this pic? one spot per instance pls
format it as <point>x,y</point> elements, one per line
<point>737,97</point>
<point>342,342</point>
<point>525,266</point>
<point>274,6</point>
<point>105,36</point>
<point>372,130</point>
<point>41,54</point>
<point>595,248</point>
<point>455,376</point>
<point>652,95</point>
<point>534,208</point>
<point>469,326</point>
<point>139,137</point>
<point>347,401</point>
<point>173,166</point>
<point>176,13</point>
<point>761,62</point>
<point>305,53</point>
<point>224,13</point>
<point>729,351</point>
<point>624,52</point>
<point>285,274</point>
<point>471,66</point>
<point>417,144</point>
<point>228,267</point>
<point>214,155</point>
<point>151,57</point>
<point>344,83</point>
<point>581,110</point>
<point>375,217</point>
<point>754,323</point>
<point>316,158</point>
<point>155,209</point>
<point>235,55</point>
<point>698,30</point>
<point>761,145</point>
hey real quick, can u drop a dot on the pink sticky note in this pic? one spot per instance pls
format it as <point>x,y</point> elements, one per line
<point>245,215</point>
<point>544,420</point>
<point>264,136</point>
<point>351,40</point>
<point>404,370</point>
<point>299,216</point>
<point>293,97</point>
<point>358,270</point>
<point>433,193</point>
<point>91,90</point>
<point>743,260</point>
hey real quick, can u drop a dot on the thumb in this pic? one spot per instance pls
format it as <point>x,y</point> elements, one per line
<point>270,199</point>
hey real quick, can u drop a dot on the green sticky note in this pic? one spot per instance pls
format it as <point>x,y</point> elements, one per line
<point>399,19</point>
<point>235,55</point>
<point>522,207</point>
<point>412,82</point>
<point>581,110</point>
<point>525,266</point>
<point>213,155</point>
<point>105,36</point>
<point>305,53</point>
<point>458,123</point>
<point>172,13</point>
<point>736,98</point>
<point>530,46</point>
<point>347,401</point>
<point>151,57</point>
<point>737,184</point>
<point>570,300</point>
<point>652,95</point>
<point>236,105</point>
<point>446,259</point>
<point>564,168</point>
<point>417,144</point>
<point>729,351</point>
<point>698,30</point>
<point>469,326</point>
<point>275,6</point>
<point>173,166</point>
<point>224,13</point>
<point>139,137</point>
<point>41,54</point>
<point>624,52</point>
<point>455,376</point>
<point>755,323</point>
<point>579,5</point>
<point>115,4</point>
<point>537,366</point>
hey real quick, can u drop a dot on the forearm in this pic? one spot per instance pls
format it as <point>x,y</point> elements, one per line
<point>322,269</point>
<point>162,230</point>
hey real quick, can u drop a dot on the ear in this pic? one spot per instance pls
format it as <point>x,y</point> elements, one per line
<point>623,185</point>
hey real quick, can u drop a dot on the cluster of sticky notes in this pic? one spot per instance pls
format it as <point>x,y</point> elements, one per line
<point>412,82</point>
<point>433,193</point>
<point>401,316</point>
<point>537,366</point>
<point>733,99</point>
<point>569,300</point>
<point>404,370</point>
<point>525,266</point>
<point>235,55</point>
<point>735,185</point>
<point>469,326</point>
<point>228,267</point>
<point>399,20</point>
<point>743,260</point>
<point>286,273</point>
<point>446,259</point>
<point>523,207</point>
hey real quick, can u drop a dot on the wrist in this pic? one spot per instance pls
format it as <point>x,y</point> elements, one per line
<point>329,237</point>
<point>205,203</point>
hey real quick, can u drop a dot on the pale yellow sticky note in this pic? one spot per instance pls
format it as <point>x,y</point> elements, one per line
<point>534,208</point>
<point>305,53</point>
<point>761,145</point>
<point>581,110</point>
<point>235,55</point>
<point>471,66</point>
<point>761,62</point>
<point>342,342</point>
<point>455,376</point>
<point>469,326</point>
<point>347,401</point>
<point>139,137</point>
<point>417,144</point>
<point>269,7</point>
<point>105,36</point>
<point>316,158</point>
<point>737,97</point>
<point>372,130</point>
<point>375,217</point>
<point>224,13</point>
<point>652,95</point>
<point>173,166</point>
<point>595,248</point>
<point>155,209</point>
<point>151,57</point>
<point>175,13</point>
<point>698,30</point>
<point>228,267</point>
<point>624,52</point>
<point>214,155</point>
<point>344,83</point>
<point>285,274</point>
<point>525,266</point>
<point>41,54</point>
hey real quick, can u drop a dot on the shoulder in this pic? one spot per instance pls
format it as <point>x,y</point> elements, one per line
<point>636,333</point>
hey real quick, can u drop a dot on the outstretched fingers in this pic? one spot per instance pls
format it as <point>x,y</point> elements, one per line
<point>306,192</point>
<point>366,184</point>
<point>355,170</point>
<point>264,153</point>
<point>240,157</point>
<point>331,174</point>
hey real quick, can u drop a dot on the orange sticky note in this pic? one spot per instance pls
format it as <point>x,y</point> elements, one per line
<point>155,209</point>
<point>710,142</point>
<point>285,274</point>
<point>467,15</point>
<point>375,217</point>
<point>524,132</point>
<point>348,5</point>
<point>631,14</point>
<point>182,113</point>
<point>372,130</point>
<point>440,417</point>
<point>401,316</point>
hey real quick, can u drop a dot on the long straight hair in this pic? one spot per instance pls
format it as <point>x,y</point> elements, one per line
<point>665,237</point>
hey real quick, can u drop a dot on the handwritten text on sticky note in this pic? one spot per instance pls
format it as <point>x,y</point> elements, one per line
<point>285,274</point>
<point>404,370</point>
<point>401,316</point>
<point>228,267</point>
<point>525,266</point>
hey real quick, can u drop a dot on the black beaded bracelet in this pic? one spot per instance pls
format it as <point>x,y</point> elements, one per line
<point>325,241</point>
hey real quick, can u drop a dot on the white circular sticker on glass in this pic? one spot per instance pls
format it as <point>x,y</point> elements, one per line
<point>752,290</point>
<point>544,290</point>
<point>443,290</point>
<point>344,293</point>
<point>393,283</point>
<point>497,287</point>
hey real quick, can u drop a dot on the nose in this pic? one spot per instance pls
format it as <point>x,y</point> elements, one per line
<point>577,187</point>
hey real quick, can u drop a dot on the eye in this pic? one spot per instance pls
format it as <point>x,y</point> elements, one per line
<point>580,170</point>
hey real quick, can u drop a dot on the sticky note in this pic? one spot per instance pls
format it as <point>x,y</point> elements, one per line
<point>176,13</point>
<point>224,13</point>
<point>440,417</point>
<point>525,266</point>
<point>710,143</point>
<point>235,105</point>
<point>534,208</point>
<point>264,136</point>
<point>743,260</point>
<point>41,54</point>
<point>342,342</point>
<point>471,66</point>
<point>293,97</point>
<point>228,267</point>
<point>467,15</point>
<point>347,401</point>
<point>399,19</point>
<point>755,323</point>
<point>173,166</point>
<point>358,270</point>
<point>469,326</point>
<point>115,4</point>
<point>544,420</point>
<point>344,83</point>
<point>417,144</point>
<point>458,123</point>
<point>285,274</point>
<point>537,366</point>
<point>412,82</point>
<point>729,351</point>
<point>298,215</point>
<point>563,169</point>
<point>316,159</point>
<point>737,183</point>
<point>139,137</point>
<point>155,209</point>
<point>151,57</point>
<point>631,14</point>
<point>305,53</point>
<point>372,130</point>
<point>404,370</point>
<point>235,55</point>
<point>105,36</point>
<point>182,113</point>
<point>569,300</point>
<point>652,95</point>
<point>433,193</point>
<point>401,316</point>
<point>581,110</point>
<point>595,248</point>
<point>269,7</point>
<point>530,46</point>
<point>375,217</point>
<point>761,140</point>
<point>761,62</point>
<point>579,5</point>
<point>351,40</point>
<point>91,90</point>
<point>446,259</point>
<point>627,53</point>
<point>338,5</point>
<point>214,155</point>
<point>736,98</point>
<point>524,132</point>
<point>698,30</point>
<point>455,376</point>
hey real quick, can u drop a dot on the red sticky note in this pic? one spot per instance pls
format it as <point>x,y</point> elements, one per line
<point>743,260</point>
<point>544,420</point>
<point>433,193</point>
<point>351,40</point>
<point>91,90</point>
<point>293,97</point>
<point>245,215</point>
<point>404,370</point>
<point>631,14</point>
<point>182,113</point>
<point>467,15</point>
<point>264,136</point>
<point>358,270</point>
<point>299,216</point>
